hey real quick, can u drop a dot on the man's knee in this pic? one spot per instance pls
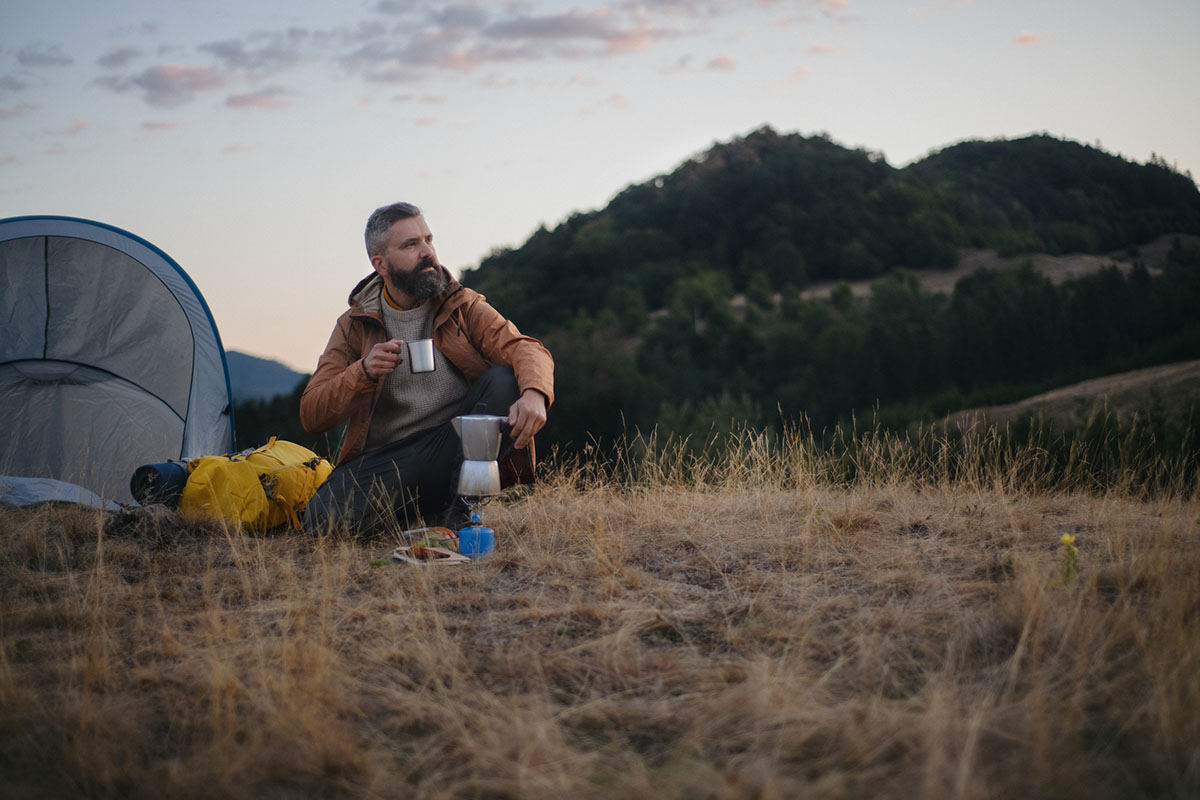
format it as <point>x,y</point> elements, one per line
<point>503,379</point>
<point>497,389</point>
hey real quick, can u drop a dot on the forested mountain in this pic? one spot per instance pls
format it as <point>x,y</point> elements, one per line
<point>680,304</point>
<point>769,211</point>
<point>636,299</point>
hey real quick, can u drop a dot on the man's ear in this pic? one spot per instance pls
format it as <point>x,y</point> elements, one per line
<point>378,263</point>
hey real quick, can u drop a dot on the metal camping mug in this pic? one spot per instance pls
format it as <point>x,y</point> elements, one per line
<point>420,355</point>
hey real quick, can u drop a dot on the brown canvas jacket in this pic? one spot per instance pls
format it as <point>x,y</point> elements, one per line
<point>468,331</point>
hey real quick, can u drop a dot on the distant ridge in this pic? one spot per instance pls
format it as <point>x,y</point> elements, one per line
<point>1170,392</point>
<point>254,378</point>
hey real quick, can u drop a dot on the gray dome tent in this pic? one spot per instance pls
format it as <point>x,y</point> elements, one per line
<point>109,359</point>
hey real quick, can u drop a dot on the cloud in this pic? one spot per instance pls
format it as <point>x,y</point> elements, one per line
<point>395,6</point>
<point>166,85</point>
<point>119,56</point>
<point>267,97</point>
<point>261,53</point>
<point>615,101</point>
<point>1027,37</point>
<point>392,61</point>
<point>461,16</point>
<point>236,147</point>
<point>22,110</point>
<point>574,27</point>
<point>819,49</point>
<point>11,84</point>
<point>40,55</point>
<point>77,126</point>
<point>157,126</point>
<point>404,41</point>
<point>570,25</point>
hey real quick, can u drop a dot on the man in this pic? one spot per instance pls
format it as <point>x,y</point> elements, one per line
<point>400,454</point>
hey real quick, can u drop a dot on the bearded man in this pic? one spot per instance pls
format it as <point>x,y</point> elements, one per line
<point>399,457</point>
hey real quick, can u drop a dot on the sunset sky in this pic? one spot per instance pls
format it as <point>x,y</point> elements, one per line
<point>250,140</point>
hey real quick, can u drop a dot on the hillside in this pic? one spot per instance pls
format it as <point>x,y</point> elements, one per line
<point>1165,394</point>
<point>1058,269</point>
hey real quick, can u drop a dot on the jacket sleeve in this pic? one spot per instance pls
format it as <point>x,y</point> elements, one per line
<point>499,341</point>
<point>339,385</point>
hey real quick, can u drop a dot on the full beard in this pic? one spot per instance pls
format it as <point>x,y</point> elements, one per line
<point>419,284</point>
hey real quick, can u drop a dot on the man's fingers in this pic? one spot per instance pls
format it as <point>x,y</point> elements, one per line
<point>526,416</point>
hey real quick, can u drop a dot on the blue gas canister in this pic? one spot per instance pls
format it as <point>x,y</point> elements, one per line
<point>475,540</point>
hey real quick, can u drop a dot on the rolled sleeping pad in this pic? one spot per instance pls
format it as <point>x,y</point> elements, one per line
<point>159,483</point>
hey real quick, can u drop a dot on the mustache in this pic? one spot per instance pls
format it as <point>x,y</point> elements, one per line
<point>428,261</point>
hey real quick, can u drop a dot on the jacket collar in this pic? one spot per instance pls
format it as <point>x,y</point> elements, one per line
<point>366,298</point>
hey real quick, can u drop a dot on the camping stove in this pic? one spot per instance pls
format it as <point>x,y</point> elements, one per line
<point>479,477</point>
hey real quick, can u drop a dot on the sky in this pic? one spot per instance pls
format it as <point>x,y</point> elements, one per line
<point>250,141</point>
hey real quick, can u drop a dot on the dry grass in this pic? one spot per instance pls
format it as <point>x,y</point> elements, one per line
<point>755,628</point>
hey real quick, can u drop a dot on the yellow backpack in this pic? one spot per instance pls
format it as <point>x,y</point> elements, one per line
<point>260,489</point>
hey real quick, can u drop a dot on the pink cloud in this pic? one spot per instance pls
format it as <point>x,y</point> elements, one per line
<point>21,110</point>
<point>236,147</point>
<point>819,49</point>
<point>721,63</point>
<point>832,6</point>
<point>157,126</point>
<point>168,84</point>
<point>631,41</point>
<point>78,125</point>
<point>1028,37</point>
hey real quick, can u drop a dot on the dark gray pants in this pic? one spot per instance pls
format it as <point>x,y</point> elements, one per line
<point>413,479</point>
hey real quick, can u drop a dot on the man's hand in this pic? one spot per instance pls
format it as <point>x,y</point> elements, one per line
<point>527,416</point>
<point>383,359</point>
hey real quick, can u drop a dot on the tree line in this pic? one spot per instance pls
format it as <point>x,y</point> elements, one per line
<point>901,354</point>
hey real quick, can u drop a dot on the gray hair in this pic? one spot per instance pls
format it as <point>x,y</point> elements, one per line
<point>381,221</point>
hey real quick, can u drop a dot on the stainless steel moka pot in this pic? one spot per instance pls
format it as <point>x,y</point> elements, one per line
<point>480,435</point>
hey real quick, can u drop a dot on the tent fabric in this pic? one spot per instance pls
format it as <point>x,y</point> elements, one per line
<point>109,357</point>
<point>24,492</point>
